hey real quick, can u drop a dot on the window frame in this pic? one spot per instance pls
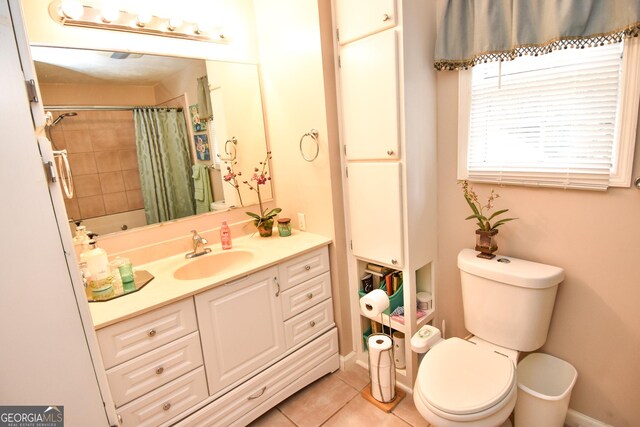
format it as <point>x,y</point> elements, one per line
<point>623,148</point>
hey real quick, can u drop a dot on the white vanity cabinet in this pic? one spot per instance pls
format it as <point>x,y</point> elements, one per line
<point>228,353</point>
<point>240,327</point>
<point>154,364</point>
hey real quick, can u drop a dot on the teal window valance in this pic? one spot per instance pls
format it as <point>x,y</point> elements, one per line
<point>477,31</point>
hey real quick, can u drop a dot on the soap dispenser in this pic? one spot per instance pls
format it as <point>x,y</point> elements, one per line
<point>101,282</point>
<point>80,241</point>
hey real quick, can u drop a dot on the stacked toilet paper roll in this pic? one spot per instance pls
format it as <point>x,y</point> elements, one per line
<point>381,368</point>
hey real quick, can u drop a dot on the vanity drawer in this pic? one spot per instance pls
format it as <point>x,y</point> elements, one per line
<point>303,268</point>
<point>138,376</point>
<point>131,338</point>
<point>306,295</point>
<point>308,323</point>
<point>259,389</point>
<point>166,402</point>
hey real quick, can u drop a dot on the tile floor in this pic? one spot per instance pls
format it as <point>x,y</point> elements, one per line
<point>335,400</point>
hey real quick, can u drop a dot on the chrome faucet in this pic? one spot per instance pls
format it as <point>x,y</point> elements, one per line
<point>198,242</point>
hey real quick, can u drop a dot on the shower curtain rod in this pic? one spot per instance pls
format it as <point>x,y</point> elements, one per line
<point>102,107</point>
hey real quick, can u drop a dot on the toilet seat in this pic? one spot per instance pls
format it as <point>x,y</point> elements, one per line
<point>463,380</point>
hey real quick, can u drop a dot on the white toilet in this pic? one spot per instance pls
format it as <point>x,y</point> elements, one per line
<point>507,306</point>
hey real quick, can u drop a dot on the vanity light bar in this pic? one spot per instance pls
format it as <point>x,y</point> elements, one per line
<point>129,22</point>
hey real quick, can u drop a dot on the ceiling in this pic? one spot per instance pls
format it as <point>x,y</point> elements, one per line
<point>61,65</point>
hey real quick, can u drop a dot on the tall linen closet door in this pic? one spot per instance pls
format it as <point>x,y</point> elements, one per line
<point>375,207</point>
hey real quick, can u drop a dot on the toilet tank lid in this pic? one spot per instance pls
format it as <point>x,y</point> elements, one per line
<point>514,271</point>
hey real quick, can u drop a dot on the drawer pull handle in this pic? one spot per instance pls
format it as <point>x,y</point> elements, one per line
<point>166,406</point>
<point>307,267</point>
<point>312,323</point>
<point>275,280</point>
<point>151,333</point>
<point>390,152</point>
<point>119,419</point>
<point>260,393</point>
<point>159,370</point>
<point>309,295</point>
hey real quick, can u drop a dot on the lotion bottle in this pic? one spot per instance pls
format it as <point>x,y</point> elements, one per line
<point>225,236</point>
<point>80,241</point>
<point>97,262</point>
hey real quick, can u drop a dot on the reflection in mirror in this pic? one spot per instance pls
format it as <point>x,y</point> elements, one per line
<point>138,149</point>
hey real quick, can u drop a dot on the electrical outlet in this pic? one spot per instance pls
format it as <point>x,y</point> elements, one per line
<point>302,223</point>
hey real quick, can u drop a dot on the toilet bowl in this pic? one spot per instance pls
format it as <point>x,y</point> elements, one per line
<point>507,305</point>
<point>461,383</point>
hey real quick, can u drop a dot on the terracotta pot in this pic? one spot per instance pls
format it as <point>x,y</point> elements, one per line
<point>486,243</point>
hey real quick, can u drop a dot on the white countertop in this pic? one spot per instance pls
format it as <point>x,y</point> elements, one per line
<point>165,289</point>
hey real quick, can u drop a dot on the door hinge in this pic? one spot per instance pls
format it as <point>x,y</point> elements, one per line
<point>32,92</point>
<point>339,62</point>
<point>338,34</point>
<point>351,244</point>
<point>51,171</point>
<point>346,171</point>
<point>344,148</point>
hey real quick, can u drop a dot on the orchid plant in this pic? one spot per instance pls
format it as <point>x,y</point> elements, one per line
<point>232,177</point>
<point>481,211</point>
<point>261,177</point>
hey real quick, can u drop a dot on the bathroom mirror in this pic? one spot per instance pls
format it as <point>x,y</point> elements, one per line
<point>91,96</point>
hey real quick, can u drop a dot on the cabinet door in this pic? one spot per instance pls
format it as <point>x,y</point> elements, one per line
<point>375,211</point>
<point>241,327</point>
<point>360,18</point>
<point>369,89</point>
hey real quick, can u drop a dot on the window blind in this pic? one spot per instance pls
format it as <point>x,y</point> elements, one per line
<point>547,120</point>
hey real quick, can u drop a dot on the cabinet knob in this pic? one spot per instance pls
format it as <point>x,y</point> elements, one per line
<point>166,406</point>
<point>151,333</point>
<point>309,295</point>
<point>119,419</point>
<point>307,267</point>
<point>159,370</point>
<point>390,152</point>
<point>386,17</point>
<point>312,323</point>
<point>394,261</point>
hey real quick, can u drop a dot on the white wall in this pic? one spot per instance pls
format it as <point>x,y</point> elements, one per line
<point>296,58</point>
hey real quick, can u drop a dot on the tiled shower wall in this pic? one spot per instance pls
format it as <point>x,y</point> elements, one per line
<point>102,155</point>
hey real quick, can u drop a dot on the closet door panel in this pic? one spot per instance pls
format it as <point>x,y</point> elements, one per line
<point>369,87</point>
<point>375,206</point>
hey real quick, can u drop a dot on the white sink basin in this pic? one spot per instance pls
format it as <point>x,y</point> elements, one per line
<point>211,264</point>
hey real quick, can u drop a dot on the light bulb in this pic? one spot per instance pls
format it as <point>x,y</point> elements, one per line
<point>71,9</point>
<point>174,23</point>
<point>109,13</point>
<point>143,18</point>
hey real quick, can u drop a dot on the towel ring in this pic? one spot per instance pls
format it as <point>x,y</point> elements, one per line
<point>314,135</point>
<point>230,150</point>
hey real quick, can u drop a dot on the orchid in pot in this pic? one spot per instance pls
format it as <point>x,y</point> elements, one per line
<point>487,227</point>
<point>263,220</point>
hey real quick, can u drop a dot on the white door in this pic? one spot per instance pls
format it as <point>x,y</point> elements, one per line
<point>369,91</point>
<point>360,18</point>
<point>375,211</point>
<point>49,347</point>
<point>241,327</point>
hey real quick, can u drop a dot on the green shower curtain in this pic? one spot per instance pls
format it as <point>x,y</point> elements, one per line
<point>164,160</point>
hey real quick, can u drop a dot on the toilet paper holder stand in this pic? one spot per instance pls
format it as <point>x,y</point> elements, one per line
<point>380,371</point>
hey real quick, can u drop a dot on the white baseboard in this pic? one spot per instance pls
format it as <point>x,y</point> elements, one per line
<point>347,361</point>
<point>577,419</point>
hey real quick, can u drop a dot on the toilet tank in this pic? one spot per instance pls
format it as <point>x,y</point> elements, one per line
<point>508,301</point>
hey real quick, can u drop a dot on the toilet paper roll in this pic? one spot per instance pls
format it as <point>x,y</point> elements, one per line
<point>380,353</point>
<point>374,303</point>
<point>382,393</point>
<point>398,350</point>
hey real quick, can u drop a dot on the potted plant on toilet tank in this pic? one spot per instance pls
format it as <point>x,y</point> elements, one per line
<point>487,222</point>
